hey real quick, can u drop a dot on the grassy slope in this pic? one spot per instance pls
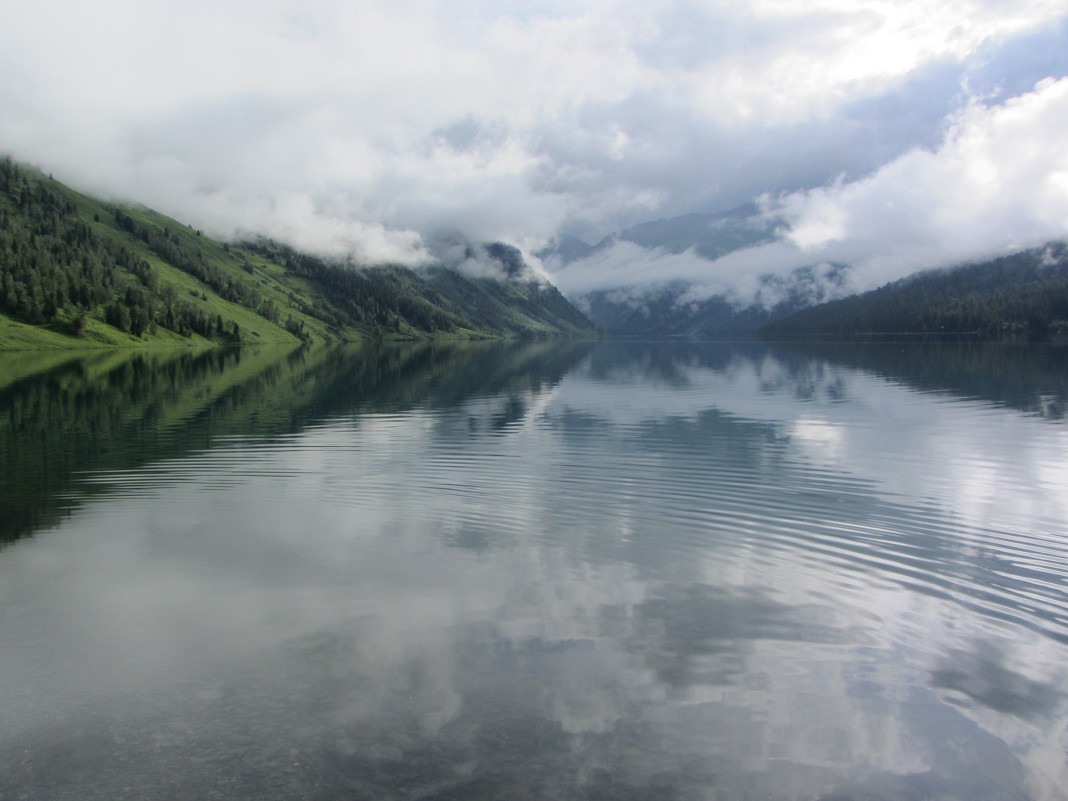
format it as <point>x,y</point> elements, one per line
<point>269,279</point>
<point>477,308</point>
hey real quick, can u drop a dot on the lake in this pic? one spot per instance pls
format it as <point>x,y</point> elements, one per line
<point>535,570</point>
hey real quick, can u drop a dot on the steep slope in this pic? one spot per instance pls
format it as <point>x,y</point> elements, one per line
<point>1025,294</point>
<point>78,271</point>
<point>395,300</point>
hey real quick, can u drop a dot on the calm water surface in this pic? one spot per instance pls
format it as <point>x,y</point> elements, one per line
<point>560,571</point>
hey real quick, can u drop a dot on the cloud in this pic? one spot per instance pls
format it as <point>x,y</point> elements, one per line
<point>366,127</point>
<point>997,183</point>
<point>626,264</point>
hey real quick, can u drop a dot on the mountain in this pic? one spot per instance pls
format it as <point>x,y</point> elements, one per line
<point>671,310</point>
<point>1021,295</point>
<point>75,270</point>
<point>708,235</point>
<point>679,308</point>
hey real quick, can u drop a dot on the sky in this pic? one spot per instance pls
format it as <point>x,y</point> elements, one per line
<point>892,135</point>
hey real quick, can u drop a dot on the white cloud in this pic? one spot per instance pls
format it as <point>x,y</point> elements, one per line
<point>327,122</point>
<point>998,183</point>
<point>626,264</point>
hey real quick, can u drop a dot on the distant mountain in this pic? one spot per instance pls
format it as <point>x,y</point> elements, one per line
<point>76,270</point>
<point>678,308</point>
<point>668,310</point>
<point>1021,295</point>
<point>708,235</point>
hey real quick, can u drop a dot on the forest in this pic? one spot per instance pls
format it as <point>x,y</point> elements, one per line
<point>75,269</point>
<point>1020,296</point>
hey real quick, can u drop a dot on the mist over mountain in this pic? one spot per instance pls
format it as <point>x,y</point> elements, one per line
<point>1023,295</point>
<point>708,235</point>
<point>669,310</point>
<point>482,260</point>
<point>75,270</point>
<point>658,278</point>
<point>616,139</point>
<point>992,186</point>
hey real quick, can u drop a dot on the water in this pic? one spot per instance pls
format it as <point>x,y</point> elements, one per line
<point>567,571</point>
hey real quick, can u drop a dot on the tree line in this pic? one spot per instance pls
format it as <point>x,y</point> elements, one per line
<point>56,269</point>
<point>67,261</point>
<point>1022,295</point>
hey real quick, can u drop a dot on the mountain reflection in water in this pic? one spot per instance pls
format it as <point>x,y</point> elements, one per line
<point>544,570</point>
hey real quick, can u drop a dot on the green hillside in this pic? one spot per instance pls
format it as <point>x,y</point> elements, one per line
<point>79,272</point>
<point>1021,295</point>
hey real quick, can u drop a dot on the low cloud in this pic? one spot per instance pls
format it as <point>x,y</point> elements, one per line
<point>486,260</point>
<point>626,264</point>
<point>997,183</point>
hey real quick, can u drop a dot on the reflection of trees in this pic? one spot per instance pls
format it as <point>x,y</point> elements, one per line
<point>729,476</point>
<point>667,363</point>
<point>1031,378</point>
<point>108,410</point>
<point>117,410</point>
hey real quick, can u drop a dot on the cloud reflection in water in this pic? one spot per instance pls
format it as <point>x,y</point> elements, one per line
<point>666,572</point>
